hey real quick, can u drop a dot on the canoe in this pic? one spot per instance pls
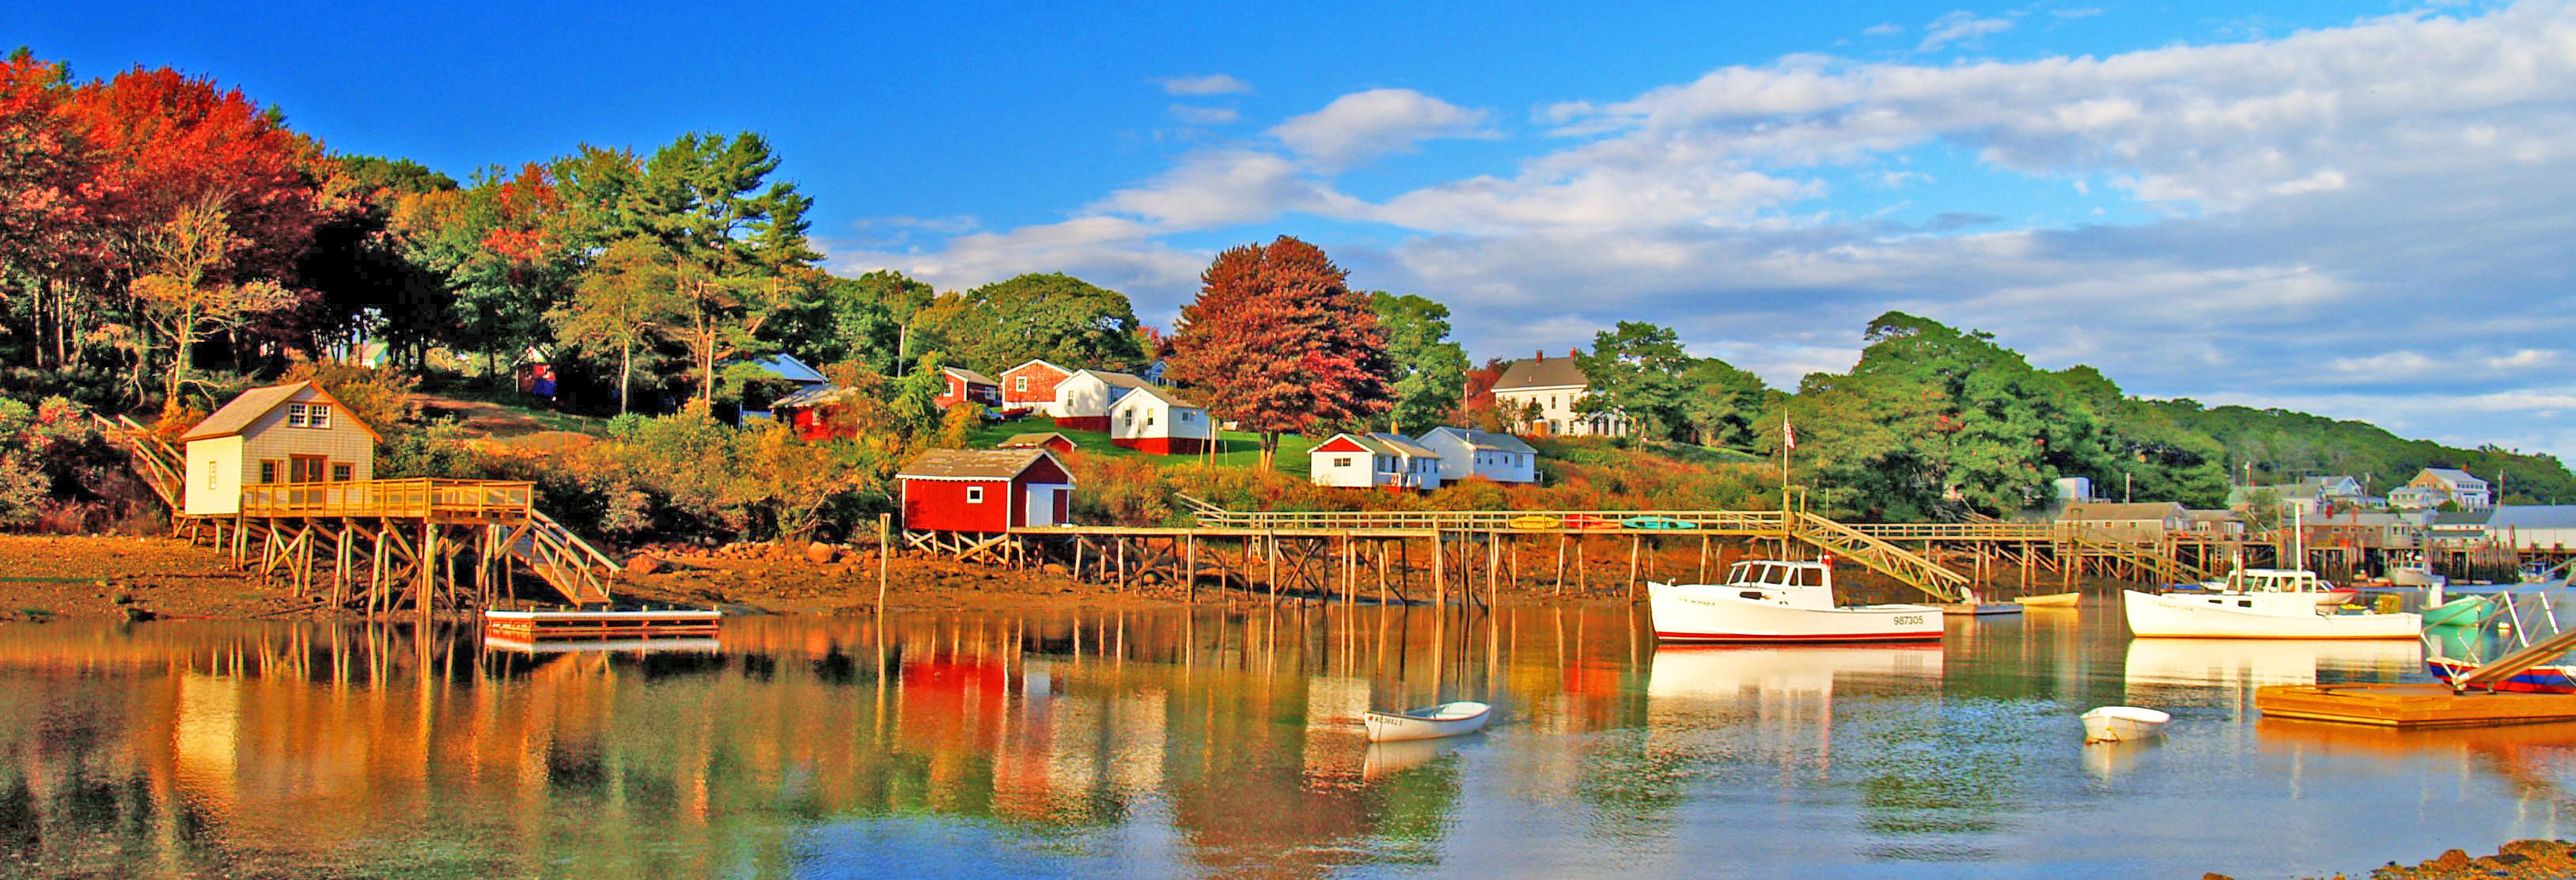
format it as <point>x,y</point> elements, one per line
<point>2051,600</point>
<point>2463,610</point>
<point>1657,522</point>
<point>2123,723</point>
<point>1533,521</point>
<point>1428,722</point>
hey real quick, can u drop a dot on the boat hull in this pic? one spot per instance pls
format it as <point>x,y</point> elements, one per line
<point>2466,609</point>
<point>1689,613</point>
<point>1430,722</point>
<point>2255,616</point>
<point>2536,680</point>
<point>2052,600</point>
<point>2123,724</point>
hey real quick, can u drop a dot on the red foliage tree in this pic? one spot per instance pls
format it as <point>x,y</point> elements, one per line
<point>1279,342</point>
<point>49,178</point>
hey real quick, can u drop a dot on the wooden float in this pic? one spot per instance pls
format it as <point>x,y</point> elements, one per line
<point>635,623</point>
<point>2411,706</point>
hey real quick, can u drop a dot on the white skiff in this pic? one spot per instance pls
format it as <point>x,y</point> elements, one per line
<point>1428,722</point>
<point>2123,724</point>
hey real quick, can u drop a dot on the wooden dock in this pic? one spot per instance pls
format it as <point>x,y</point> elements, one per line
<point>374,544</point>
<point>2411,706</point>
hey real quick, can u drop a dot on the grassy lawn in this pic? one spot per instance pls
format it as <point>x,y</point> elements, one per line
<point>1240,449</point>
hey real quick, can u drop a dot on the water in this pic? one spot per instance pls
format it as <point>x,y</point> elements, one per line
<point>1172,743</point>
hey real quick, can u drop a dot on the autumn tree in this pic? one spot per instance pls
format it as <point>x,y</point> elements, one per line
<point>192,286</point>
<point>1427,373</point>
<point>49,182</point>
<point>1278,341</point>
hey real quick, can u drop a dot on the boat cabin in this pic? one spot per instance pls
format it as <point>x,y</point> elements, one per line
<point>1786,582</point>
<point>2272,580</point>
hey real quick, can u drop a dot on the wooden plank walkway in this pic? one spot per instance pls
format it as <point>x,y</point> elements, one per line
<point>2410,706</point>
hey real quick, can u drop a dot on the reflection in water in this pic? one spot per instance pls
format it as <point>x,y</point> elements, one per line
<point>1172,743</point>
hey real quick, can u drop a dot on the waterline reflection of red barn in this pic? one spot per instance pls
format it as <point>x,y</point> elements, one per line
<point>985,490</point>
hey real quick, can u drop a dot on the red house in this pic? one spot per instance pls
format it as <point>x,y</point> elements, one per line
<point>1031,387</point>
<point>965,384</point>
<point>809,412</point>
<point>985,490</point>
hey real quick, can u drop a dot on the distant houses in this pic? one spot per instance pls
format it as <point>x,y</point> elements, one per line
<point>1084,398</point>
<point>1030,387</point>
<point>1157,420</point>
<point>1553,386</point>
<point>2434,487</point>
<point>964,385</point>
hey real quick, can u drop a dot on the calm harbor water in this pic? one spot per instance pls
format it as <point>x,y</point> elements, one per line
<point>1173,743</point>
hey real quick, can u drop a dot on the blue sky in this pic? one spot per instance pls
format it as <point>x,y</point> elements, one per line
<point>2358,210</point>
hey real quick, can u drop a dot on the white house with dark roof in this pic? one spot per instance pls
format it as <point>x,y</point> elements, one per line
<point>2433,487</point>
<point>1083,400</point>
<point>292,433</point>
<point>1553,385</point>
<point>1160,421</point>
<point>1373,461</point>
<point>1465,453</point>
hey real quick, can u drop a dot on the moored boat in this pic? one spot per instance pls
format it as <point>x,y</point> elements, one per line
<point>2051,600</point>
<point>2123,724</point>
<point>1780,601</point>
<point>1428,722</point>
<point>2282,580</point>
<point>2266,615</point>
<point>2457,612</point>
<point>2556,678</point>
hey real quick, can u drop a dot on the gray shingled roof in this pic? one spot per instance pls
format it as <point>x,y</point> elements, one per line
<point>972,376</point>
<point>232,417</point>
<point>1402,445</point>
<point>1541,372</point>
<point>971,464</point>
<point>1030,441</point>
<point>1489,440</point>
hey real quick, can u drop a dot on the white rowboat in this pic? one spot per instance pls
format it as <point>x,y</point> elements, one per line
<point>2123,723</point>
<point>1428,722</point>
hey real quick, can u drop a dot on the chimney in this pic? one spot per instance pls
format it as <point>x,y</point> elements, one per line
<point>1542,355</point>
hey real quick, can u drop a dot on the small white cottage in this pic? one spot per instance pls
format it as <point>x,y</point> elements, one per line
<point>1381,461</point>
<point>292,433</point>
<point>1465,453</point>
<point>1155,420</point>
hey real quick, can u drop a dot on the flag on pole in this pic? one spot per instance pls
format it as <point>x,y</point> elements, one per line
<point>1788,435</point>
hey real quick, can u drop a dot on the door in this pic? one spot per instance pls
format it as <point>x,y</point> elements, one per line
<point>1041,509</point>
<point>304,470</point>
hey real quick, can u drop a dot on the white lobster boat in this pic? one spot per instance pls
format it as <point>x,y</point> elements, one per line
<point>2283,580</point>
<point>1780,601</point>
<point>2266,615</point>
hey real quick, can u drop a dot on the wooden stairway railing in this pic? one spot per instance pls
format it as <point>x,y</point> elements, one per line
<point>1880,556</point>
<point>566,562</point>
<point>2165,567</point>
<point>160,466</point>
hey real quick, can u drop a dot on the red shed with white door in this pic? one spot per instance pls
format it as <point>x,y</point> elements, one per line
<point>985,490</point>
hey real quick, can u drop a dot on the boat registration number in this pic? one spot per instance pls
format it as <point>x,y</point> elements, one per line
<point>1909,620</point>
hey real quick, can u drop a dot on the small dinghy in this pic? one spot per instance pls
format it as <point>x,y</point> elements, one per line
<point>2458,612</point>
<point>1428,722</point>
<point>2123,724</point>
<point>2052,600</point>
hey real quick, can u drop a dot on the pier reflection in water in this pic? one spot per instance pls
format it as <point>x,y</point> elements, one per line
<point>1179,743</point>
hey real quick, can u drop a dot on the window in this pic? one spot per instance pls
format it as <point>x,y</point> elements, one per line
<point>308,415</point>
<point>295,415</point>
<point>1338,461</point>
<point>974,494</point>
<point>211,465</point>
<point>1149,419</point>
<point>1020,383</point>
<point>268,472</point>
<point>340,473</point>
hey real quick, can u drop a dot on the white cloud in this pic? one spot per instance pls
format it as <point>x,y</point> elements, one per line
<point>1957,26</point>
<point>1363,125</point>
<point>1206,84</point>
<point>1204,115</point>
<point>1883,29</point>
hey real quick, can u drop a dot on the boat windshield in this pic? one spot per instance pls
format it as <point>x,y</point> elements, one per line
<point>1776,574</point>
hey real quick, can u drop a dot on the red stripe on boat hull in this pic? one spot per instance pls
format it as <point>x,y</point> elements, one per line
<point>1661,635</point>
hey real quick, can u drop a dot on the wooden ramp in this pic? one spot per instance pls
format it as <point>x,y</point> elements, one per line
<point>2410,706</point>
<point>566,562</point>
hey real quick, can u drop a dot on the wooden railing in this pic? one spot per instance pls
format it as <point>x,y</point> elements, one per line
<point>1737,522</point>
<point>419,497</point>
<point>1897,562</point>
<point>154,460</point>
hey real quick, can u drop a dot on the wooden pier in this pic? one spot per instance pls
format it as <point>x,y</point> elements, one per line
<point>377,544</point>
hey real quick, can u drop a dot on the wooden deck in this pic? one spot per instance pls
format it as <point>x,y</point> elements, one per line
<point>488,501</point>
<point>2411,706</point>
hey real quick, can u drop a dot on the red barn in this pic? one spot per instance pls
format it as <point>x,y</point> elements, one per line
<point>985,490</point>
